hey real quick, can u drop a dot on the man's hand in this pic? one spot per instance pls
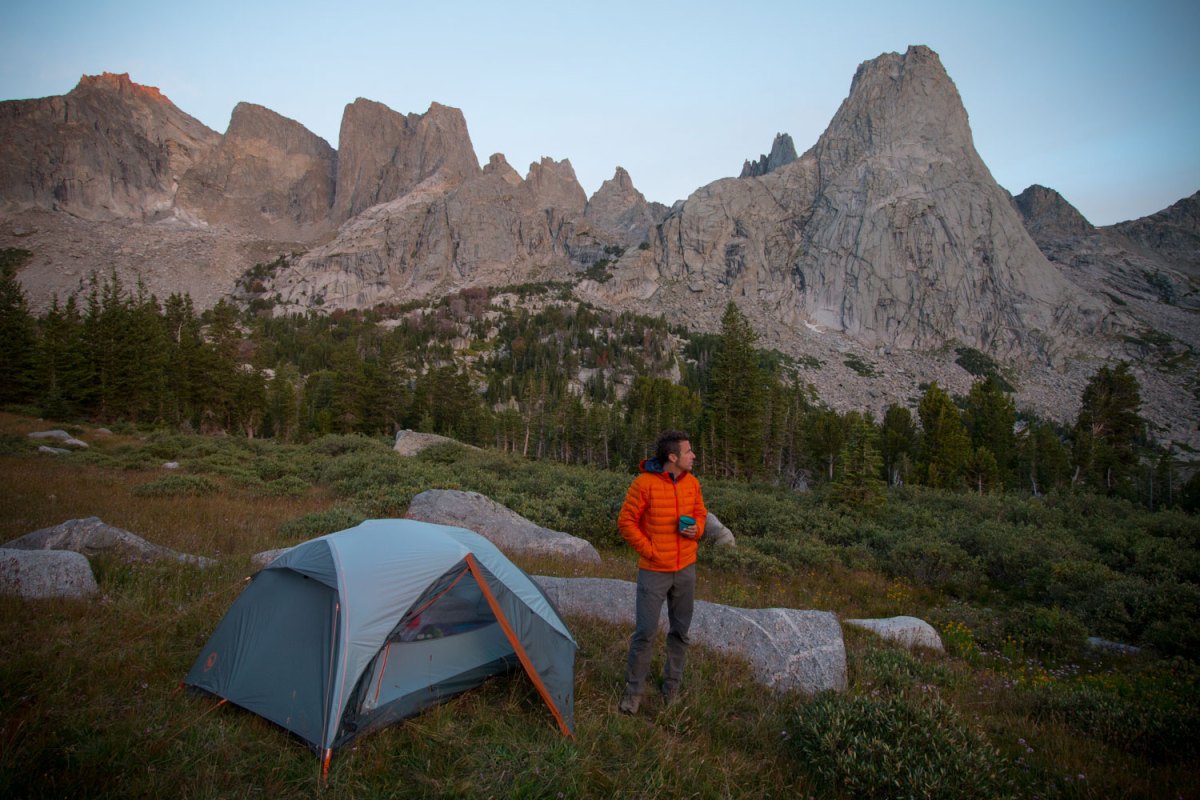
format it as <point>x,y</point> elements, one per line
<point>690,532</point>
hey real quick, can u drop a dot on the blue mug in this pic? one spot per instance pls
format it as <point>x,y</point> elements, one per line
<point>686,522</point>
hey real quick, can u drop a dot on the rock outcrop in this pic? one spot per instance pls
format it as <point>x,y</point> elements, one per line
<point>91,537</point>
<point>502,526</point>
<point>36,575</point>
<point>787,649</point>
<point>1173,234</point>
<point>269,175</point>
<point>108,149</point>
<point>783,151</point>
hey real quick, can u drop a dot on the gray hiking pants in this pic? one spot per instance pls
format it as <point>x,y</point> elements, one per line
<point>679,590</point>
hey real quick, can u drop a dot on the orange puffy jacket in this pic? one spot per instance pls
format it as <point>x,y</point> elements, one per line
<point>649,518</point>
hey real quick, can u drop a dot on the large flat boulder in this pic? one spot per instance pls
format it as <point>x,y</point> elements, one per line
<point>36,574</point>
<point>61,436</point>
<point>787,649</point>
<point>907,632</point>
<point>502,526</point>
<point>410,443</point>
<point>92,537</point>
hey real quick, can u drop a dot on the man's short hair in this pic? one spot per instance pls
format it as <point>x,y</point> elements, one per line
<point>668,443</point>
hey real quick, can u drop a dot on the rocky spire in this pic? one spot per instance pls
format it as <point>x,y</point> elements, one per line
<point>783,151</point>
<point>618,207</point>
<point>552,184</point>
<point>383,154</point>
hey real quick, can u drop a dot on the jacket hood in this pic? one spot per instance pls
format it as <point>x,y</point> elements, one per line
<point>652,465</point>
<point>655,467</point>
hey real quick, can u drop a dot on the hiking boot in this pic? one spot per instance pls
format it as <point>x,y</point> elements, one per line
<point>670,694</point>
<point>629,703</point>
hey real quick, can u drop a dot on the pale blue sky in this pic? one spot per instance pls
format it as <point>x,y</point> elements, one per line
<point>1099,100</point>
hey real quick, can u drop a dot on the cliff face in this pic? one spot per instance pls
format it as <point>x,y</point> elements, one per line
<point>268,174</point>
<point>109,149</point>
<point>384,155</point>
<point>890,230</point>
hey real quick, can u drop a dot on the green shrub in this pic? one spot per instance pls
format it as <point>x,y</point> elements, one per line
<point>856,363</point>
<point>13,443</point>
<point>337,444</point>
<point>1155,714</point>
<point>1045,631</point>
<point>890,669</point>
<point>895,747</point>
<point>319,523</point>
<point>935,563</point>
<point>177,486</point>
<point>359,470</point>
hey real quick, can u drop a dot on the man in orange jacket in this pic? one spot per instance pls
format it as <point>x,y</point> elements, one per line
<point>662,519</point>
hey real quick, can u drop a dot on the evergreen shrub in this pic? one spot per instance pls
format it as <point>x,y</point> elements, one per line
<point>320,523</point>
<point>177,486</point>
<point>896,747</point>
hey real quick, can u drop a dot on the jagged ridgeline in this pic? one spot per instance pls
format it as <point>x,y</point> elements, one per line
<point>883,250</point>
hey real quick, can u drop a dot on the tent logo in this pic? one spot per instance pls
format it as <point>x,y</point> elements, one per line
<point>211,661</point>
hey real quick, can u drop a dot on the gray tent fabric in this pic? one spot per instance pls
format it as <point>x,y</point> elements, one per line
<point>352,631</point>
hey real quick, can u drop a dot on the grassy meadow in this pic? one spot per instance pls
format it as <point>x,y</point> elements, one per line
<point>1019,706</point>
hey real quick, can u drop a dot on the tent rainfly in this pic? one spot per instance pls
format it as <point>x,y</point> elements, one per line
<point>347,633</point>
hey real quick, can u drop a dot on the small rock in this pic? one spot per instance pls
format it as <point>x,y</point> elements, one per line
<point>1113,647</point>
<point>908,632</point>
<point>54,451</point>
<point>171,465</point>
<point>261,560</point>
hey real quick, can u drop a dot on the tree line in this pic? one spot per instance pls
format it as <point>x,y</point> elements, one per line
<point>564,382</point>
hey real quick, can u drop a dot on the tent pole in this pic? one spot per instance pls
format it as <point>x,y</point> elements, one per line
<point>516,643</point>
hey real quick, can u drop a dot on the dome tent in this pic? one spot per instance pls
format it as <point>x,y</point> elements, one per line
<point>349,632</point>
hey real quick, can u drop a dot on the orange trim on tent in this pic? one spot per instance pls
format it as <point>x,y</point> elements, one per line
<point>512,639</point>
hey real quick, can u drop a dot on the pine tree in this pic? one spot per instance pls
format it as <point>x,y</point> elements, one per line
<point>826,435</point>
<point>1044,463</point>
<point>1108,428</point>
<point>990,416</point>
<point>17,332</point>
<point>945,447</point>
<point>898,441</point>
<point>61,370</point>
<point>982,472</point>
<point>735,402</point>
<point>858,484</point>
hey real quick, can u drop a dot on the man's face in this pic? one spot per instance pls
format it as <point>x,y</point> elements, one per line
<point>686,456</point>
